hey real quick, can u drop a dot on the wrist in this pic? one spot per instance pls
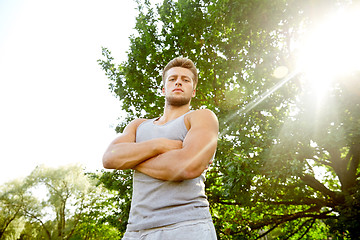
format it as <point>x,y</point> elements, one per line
<point>158,146</point>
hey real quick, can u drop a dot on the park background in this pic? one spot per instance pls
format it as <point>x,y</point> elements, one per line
<point>269,180</point>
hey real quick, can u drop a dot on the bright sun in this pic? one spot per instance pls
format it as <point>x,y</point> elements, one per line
<point>332,49</point>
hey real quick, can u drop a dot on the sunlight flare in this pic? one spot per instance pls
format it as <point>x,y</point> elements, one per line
<point>331,50</point>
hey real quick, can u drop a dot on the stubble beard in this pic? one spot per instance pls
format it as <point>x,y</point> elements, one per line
<point>177,101</point>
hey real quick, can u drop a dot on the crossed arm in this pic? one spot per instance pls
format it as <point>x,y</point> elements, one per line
<point>167,159</point>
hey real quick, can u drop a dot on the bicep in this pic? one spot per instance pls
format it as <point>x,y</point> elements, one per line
<point>201,141</point>
<point>121,153</point>
<point>129,133</point>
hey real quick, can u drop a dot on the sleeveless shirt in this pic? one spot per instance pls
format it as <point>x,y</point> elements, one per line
<point>157,203</point>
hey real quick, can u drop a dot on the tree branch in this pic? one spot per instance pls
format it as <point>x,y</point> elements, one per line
<point>308,229</point>
<point>353,166</point>
<point>323,162</point>
<point>2,231</point>
<point>315,184</point>
<point>41,223</point>
<point>230,203</point>
<point>279,219</point>
<point>268,231</point>
<point>304,201</point>
<point>338,164</point>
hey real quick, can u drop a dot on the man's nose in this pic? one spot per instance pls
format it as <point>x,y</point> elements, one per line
<point>177,83</point>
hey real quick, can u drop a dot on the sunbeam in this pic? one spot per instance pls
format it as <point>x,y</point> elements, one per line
<point>331,50</point>
<point>248,107</point>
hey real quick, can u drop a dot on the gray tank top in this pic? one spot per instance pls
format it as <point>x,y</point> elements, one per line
<point>157,203</point>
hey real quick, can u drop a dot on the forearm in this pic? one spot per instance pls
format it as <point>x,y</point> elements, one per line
<point>176,165</point>
<point>181,164</point>
<point>165,166</point>
<point>128,155</point>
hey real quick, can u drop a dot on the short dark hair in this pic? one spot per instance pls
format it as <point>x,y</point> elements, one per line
<point>184,63</point>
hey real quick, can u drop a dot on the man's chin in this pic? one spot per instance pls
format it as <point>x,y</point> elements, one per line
<point>177,102</point>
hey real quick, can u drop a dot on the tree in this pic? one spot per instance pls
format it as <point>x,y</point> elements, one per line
<point>93,223</point>
<point>71,205</point>
<point>71,195</point>
<point>14,199</point>
<point>330,143</point>
<point>66,189</point>
<point>119,183</point>
<point>263,180</point>
<point>56,203</point>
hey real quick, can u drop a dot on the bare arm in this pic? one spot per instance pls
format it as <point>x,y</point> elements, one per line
<point>193,158</point>
<point>125,153</point>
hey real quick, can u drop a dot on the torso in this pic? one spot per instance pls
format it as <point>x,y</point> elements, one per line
<point>158,203</point>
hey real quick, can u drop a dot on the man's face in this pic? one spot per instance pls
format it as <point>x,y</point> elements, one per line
<point>179,86</point>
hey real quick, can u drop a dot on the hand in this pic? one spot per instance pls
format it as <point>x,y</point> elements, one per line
<point>166,145</point>
<point>162,145</point>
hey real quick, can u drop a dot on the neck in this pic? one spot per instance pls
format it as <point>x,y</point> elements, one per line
<point>173,112</point>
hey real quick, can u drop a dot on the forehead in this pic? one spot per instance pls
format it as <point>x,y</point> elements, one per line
<point>179,71</point>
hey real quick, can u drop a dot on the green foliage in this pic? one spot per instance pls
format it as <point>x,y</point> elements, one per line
<point>14,200</point>
<point>120,183</point>
<point>265,180</point>
<point>56,203</point>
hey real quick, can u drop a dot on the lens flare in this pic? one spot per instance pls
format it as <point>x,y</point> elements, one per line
<point>331,50</point>
<point>280,72</point>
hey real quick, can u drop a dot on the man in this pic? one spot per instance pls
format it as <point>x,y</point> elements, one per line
<point>169,155</point>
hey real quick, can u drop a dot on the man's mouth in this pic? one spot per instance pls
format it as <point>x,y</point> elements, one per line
<point>177,90</point>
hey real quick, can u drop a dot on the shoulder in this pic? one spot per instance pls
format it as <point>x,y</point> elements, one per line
<point>202,117</point>
<point>133,125</point>
<point>202,114</point>
<point>129,133</point>
<point>138,121</point>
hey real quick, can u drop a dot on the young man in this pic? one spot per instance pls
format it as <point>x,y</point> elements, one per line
<point>169,155</point>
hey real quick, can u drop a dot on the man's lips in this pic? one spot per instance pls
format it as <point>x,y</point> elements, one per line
<point>177,90</point>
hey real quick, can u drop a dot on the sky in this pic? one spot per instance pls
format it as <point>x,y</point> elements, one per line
<point>56,108</point>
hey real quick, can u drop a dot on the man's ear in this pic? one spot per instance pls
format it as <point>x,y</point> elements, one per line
<point>163,90</point>
<point>194,92</point>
